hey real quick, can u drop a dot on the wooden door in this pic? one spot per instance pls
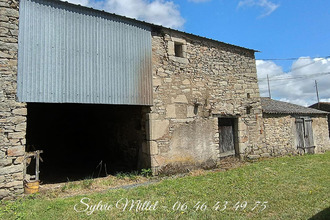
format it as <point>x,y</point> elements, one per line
<point>226,136</point>
<point>309,142</point>
<point>304,135</point>
<point>300,141</point>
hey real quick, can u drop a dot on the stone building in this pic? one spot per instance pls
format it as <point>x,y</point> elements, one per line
<point>200,88</point>
<point>293,129</point>
<point>192,101</point>
<point>100,93</point>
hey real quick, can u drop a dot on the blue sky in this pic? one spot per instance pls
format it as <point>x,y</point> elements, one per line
<point>296,28</point>
<point>277,28</point>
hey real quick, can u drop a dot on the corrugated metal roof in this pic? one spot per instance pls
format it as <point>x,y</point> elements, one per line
<point>271,106</point>
<point>155,25</point>
<point>70,54</point>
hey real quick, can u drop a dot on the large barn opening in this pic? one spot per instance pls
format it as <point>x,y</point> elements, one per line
<point>84,141</point>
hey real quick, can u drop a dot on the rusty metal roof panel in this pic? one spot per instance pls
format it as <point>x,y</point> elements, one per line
<point>71,54</point>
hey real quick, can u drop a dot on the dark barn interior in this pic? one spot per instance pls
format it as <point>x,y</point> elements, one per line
<point>84,141</point>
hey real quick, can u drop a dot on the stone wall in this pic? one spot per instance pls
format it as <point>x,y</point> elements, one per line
<point>280,132</point>
<point>320,133</point>
<point>12,113</point>
<point>206,80</point>
<point>323,106</point>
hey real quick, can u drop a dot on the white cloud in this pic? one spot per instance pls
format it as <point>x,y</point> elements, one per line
<point>268,6</point>
<point>325,100</point>
<point>297,86</point>
<point>78,2</point>
<point>268,68</point>
<point>160,12</point>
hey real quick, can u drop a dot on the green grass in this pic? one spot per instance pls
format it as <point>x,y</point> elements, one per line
<point>290,188</point>
<point>131,176</point>
<point>84,184</point>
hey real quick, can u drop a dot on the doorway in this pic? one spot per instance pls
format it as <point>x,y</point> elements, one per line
<point>304,135</point>
<point>228,143</point>
<point>84,140</point>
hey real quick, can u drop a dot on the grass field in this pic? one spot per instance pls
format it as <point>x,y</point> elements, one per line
<point>281,188</point>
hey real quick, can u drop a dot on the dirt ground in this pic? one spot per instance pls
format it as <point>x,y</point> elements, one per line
<point>87,186</point>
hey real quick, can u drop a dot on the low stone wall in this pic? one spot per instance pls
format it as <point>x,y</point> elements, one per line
<point>12,113</point>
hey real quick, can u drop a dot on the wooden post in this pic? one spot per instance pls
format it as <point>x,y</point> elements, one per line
<point>270,96</point>
<point>36,155</point>
<point>317,94</point>
<point>37,164</point>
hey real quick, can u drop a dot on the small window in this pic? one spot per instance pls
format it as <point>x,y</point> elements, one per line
<point>248,110</point>
<point>178,49</point>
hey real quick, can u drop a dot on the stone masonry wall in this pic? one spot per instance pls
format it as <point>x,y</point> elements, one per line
<point>321,134</point>
<point>209,80</point>
<point>280,133</point>
<point>12,113</point>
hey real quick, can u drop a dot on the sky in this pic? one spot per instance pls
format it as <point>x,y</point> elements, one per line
<point>293,36</point>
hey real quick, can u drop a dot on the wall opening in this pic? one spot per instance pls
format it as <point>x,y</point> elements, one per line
<point>248,110</point>
<point>84,141</point>
<point>178,49</point>
<point>228,136</point>
<point>304,135</point>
